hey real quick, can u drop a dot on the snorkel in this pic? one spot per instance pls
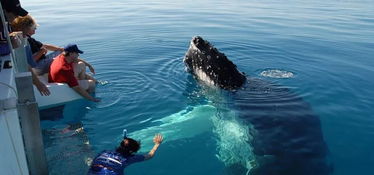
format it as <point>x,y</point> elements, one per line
<point>128,145</point>
<point>124,133</point>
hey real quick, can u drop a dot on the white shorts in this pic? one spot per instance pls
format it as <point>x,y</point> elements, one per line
<point>84,84</point>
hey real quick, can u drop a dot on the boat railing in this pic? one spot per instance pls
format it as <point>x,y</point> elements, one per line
<point>27,107</point>
<point>20,56</point>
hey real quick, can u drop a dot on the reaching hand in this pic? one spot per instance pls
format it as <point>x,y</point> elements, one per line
<point>43,50</point>
<point>91,69</point>
<point>15,38</point>
<point>158,139</point>
<point>42,88</point>
<point>60,49</point>
<point>96,100</point>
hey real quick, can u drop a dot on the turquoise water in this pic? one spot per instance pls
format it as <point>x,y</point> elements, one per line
<point>321,50</point>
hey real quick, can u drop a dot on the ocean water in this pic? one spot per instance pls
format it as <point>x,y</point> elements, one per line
<point>321,50</point>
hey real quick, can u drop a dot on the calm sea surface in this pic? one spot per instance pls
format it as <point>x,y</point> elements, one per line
<point>322,50</point>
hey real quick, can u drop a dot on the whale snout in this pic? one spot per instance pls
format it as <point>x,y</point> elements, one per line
<point>210,65</point>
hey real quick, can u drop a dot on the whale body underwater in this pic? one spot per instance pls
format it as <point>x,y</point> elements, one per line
<point>286,135</point>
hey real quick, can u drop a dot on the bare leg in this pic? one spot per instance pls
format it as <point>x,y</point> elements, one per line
<point>92,85</point>
<point>89,77</point>
<point>87,82</point>
<point>79,70</point>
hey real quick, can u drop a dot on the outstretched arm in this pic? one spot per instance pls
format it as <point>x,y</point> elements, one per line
<point>53,47</point>
<point>44,49</point>
<point>88,65</point>
<point>42,88</point>
<point>157,140</point>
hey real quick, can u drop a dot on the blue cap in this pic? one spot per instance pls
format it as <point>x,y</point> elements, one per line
<point>72,48</point>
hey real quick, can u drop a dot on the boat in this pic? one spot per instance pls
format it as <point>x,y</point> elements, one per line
<point>12,151</point>
<point>61,93</point>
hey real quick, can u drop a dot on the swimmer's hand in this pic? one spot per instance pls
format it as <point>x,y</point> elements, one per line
<point>158,139</point>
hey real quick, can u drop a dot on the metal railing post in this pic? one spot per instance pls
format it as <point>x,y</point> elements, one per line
<point>28,113</point>
<point>21,57</point>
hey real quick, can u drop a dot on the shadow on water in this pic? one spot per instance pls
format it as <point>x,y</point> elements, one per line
<point>287,135</point>
<point>276,130</point>
<point>264,128</point>
<point>65,142</point>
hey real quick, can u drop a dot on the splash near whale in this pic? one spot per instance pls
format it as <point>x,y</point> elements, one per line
<point>283,133</point>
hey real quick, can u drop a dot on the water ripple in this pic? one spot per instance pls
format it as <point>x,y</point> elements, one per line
<point>319,51</point>
<point>171,72</point>
<point>127,81</point>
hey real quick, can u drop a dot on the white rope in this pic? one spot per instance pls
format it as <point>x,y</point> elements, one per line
<point>10,87</point>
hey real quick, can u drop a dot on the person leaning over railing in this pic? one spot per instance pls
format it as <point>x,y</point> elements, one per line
<point>13,9</point>
<point>27,25</point>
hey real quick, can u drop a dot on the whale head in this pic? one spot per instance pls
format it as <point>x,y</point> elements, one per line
<point>211,66</point>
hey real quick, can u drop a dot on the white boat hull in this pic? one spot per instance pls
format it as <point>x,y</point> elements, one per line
<point>60,93</point>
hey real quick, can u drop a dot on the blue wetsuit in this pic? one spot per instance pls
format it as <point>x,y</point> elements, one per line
<point>112,163</point>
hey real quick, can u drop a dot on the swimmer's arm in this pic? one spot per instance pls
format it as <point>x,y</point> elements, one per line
<point>157,140</point>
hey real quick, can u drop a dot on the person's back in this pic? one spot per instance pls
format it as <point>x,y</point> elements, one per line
<point>112,162</point>
<point>62,72</point>
<point>108,162</point>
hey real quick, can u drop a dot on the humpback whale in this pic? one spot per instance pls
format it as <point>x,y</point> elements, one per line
<point>286,135</point>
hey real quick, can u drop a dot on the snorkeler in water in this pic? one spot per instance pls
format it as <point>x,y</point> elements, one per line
<point>114,162</point>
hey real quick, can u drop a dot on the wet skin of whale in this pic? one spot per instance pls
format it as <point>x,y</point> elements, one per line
<point>287,136</point>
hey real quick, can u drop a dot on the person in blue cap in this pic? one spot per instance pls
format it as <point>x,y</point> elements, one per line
<point>114,162</point>
<point>64,70</point>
